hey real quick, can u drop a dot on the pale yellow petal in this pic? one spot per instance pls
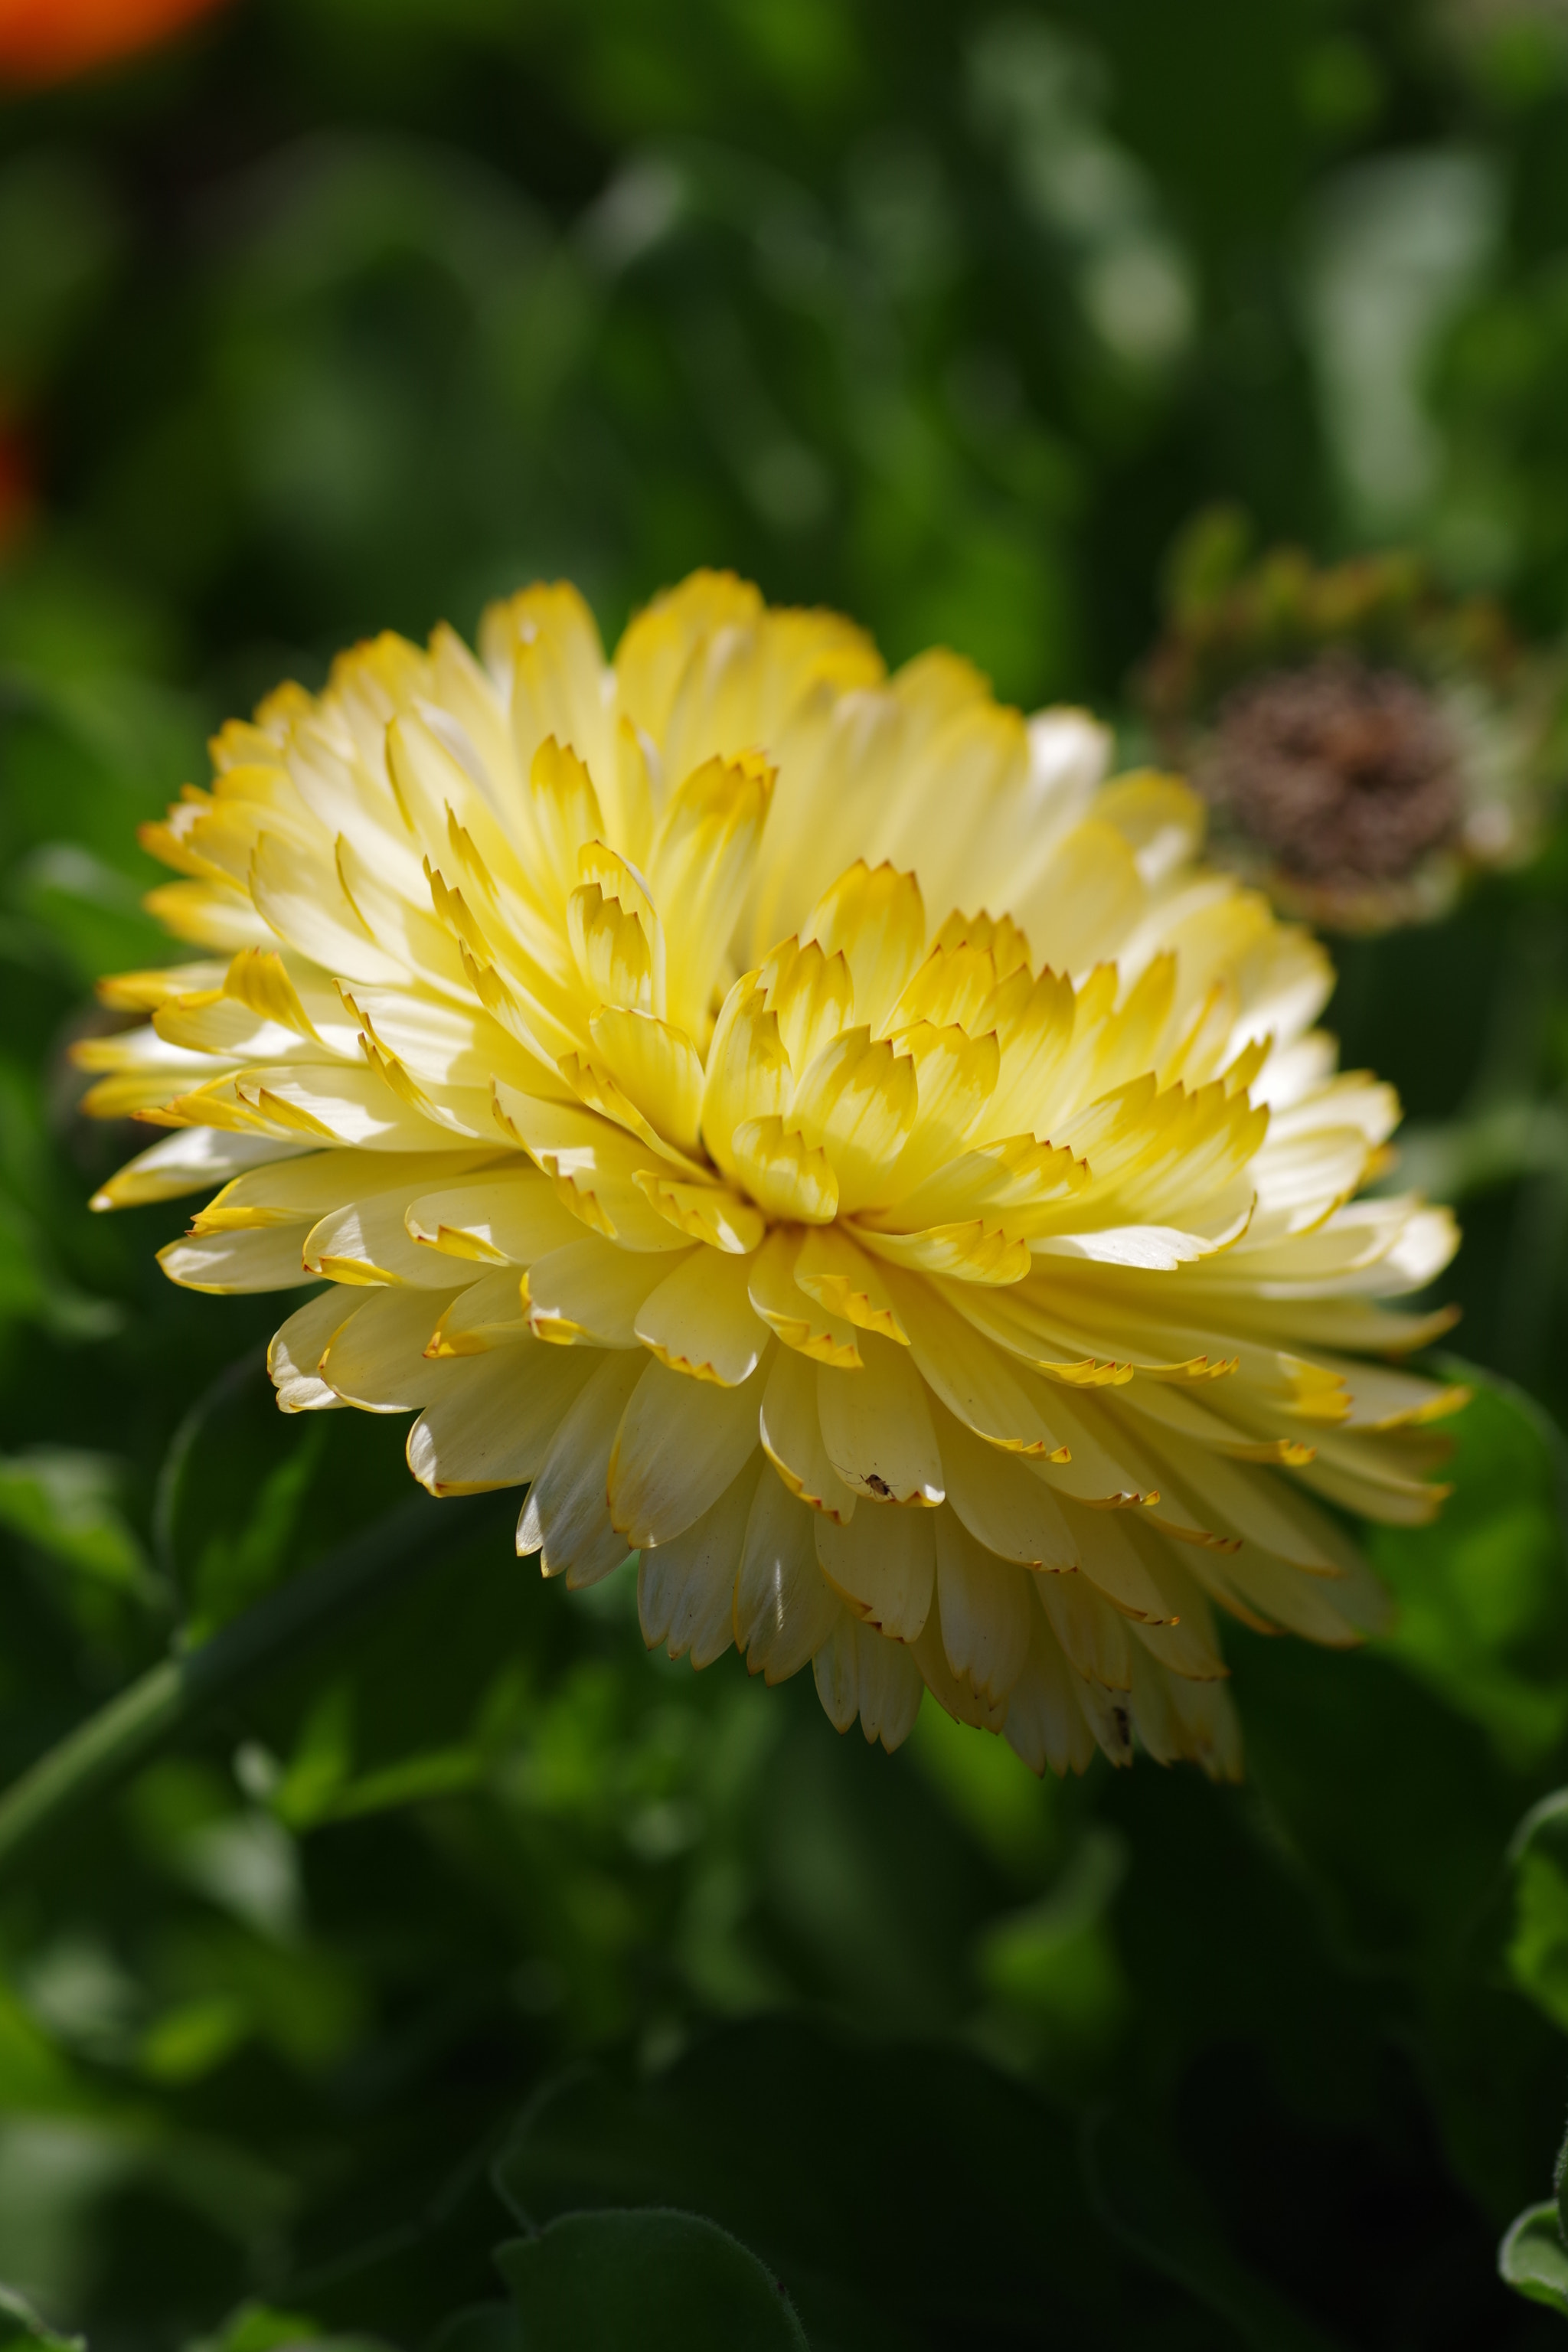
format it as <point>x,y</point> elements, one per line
<point>342,1105</point>
<point>1108,1714</point>
<point>955,1693</point>
<point>658,1068</point>
<point>791,1430</point>
<point>713,1213</point>
<point>784,1608</point>
<point>1013,1514</point>
<point>566,1519</point>
<point>686,1588</point>
<point>188,1161</point>
<point>368,1241</point>
<point>980,1251</point>
<point>679,1443</point>
<point>842,1279</point>
<point>985,1609</point>
<point>857,1103</point>
<point>876,921</point>
<point>970,1375</point>
<point>618,938</point>
<point>491,1313</point>
<point>1113,1563</point>
<point>496,1219</point>
<point>210,915</point>
<point>563,813</point>
<point>810,996</point>
<point>271,1259</point>
<point>955,1077</point>
<point>493,1420</point>
<point>301,900</point>
<point>297,1347</point>
<point>294,1188</point>
<point>700,1320</point>
<point>860,1672</point>
<point>876,1427</point>
<point>700,867</point>
<point>593,1165</point>
<point>590,1293</point>
<point>883,1566</point>
<point>799,1321</point>
<point>792,1180</point>
<point>1092,1633</point>
<point>377,1360</point>
<point>748,1072</point>
<point>1088,900</point>
<point>1046,1725</point>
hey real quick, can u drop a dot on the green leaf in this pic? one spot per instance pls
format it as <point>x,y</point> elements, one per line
<point>654,2281</point>
<point>20,2325</point>
<point>854,2170</point>
<point>65,1503</point>
<point>1537,1947</point>
<point>261,2328</point>
<point>1533,2259</point>
<point>1483,1595</point>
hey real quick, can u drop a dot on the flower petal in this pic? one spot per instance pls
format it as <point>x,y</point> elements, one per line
<point>377,1358</point>
<point>679,1443</point>
<point>1045,1723</point>
<point>701,1320</point>
<point>783,1606</point>
<point>1013,1514</point>
<point>297,1347</point>
<point>985,1609</point>
<point>876,921</point>
<point>686,1588</point>
<point>791,1430</point>
<point>590,1293</point>
<point>566,1519</point>
<point>876,1427</point>
<point>492,1424</point>
<point>883,1565</point>
<point>859,1673</point>
<point>787,1310</point>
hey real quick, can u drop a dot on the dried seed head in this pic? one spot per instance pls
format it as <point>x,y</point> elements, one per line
<point>1345,775</point>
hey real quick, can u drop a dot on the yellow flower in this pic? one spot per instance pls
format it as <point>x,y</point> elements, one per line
<point>952,1300</point>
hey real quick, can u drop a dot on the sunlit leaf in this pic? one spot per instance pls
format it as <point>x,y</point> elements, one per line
<point>1532,2260</point>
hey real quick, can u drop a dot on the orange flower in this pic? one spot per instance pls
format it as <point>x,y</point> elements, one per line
<point>49,40</point>
<point>16,499</point>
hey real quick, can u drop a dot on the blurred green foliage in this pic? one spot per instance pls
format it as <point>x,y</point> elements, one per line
<point>349,314</point>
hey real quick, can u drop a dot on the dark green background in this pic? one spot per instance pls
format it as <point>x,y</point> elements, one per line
<point>341,314</point>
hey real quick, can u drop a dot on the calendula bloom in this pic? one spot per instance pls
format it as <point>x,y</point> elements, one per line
<point>1365,742</point>
<point>49,40</point>
<point>814,1132</point>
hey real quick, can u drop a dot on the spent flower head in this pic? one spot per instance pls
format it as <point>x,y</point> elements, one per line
<point>817,1135</point>
<point>1364,742</point>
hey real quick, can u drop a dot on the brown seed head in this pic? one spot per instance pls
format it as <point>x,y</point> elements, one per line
<point>1345,775</point>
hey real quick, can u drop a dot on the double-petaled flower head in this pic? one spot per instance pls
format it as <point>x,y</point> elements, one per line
<point>816,1134</point>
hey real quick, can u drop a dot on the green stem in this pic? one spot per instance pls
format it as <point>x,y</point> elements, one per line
<point>110,1746</point>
